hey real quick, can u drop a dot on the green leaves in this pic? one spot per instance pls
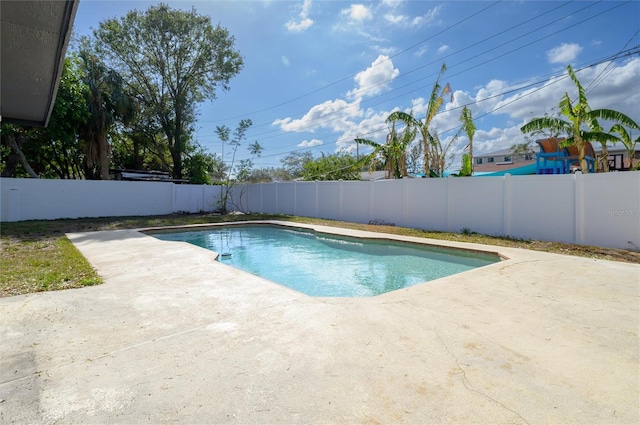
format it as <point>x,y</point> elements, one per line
<point>581,124</point>
<point>173,59</point>
<point>337,166</point>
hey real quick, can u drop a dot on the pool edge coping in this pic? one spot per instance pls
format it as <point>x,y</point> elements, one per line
<point>469,247</point>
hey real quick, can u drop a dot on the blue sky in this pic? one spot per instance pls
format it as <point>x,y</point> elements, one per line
<point>317,74</point>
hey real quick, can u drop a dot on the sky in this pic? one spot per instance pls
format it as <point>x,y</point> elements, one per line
<point>318,74</point>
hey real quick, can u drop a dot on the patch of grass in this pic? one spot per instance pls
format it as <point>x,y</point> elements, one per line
<point>44,264</point>
<point>37,256</point>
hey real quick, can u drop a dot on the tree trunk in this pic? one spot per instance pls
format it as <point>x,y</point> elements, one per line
<point>470,156</point>
<point>16,148</point>
<point>425,144</point>
<point>178,148</point>
<point>103,152</point>
<point>583,162</point>
<point>177,162</point>
<point>604,157</point>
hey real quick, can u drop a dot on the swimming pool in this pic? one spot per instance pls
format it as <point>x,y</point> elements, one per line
<point>320,264</point>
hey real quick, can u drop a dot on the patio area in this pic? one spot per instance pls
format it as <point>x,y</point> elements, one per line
<point>174,336</point>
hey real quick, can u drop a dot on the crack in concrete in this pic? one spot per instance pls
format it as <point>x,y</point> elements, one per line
<point>506,266</point>
<point>467,384</point>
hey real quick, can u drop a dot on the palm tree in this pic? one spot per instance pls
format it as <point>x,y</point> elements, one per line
<point>393,153</point>
<point>469,127</point>
<point>107,102</point>
<point>433,152</point>
<point>623,126</point>
<point>577,115</point>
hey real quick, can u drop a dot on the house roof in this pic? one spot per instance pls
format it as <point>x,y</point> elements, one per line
<point>614,147</point>
<point>34,39</point>
<point>502,152</point>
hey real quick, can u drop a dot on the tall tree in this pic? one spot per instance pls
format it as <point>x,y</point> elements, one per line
<point>393,153</point>
<point>624,126</point>
<point>336,166</point>
<point>621,122</point>
<point>293,163</point>
<point>175,59</point>
<point>434,152</point>
<point>580,123</point>
<point>107,101</point>
<point>469,127</point>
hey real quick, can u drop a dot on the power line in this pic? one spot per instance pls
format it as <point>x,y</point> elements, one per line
<point>556,79</point>
<point>489,60</point>
<point>420,67</point>
<point>354,74</point>
<point>593,84</point>
<point>337,115</point>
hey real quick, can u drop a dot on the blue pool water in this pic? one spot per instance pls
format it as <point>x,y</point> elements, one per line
<point>325,265</point>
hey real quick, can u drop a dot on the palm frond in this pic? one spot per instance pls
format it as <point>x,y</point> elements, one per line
<point>566,107</point>
<point>405,118</point>
<point>618,117</point>
<point>544,123</point>
<point>582,97</point>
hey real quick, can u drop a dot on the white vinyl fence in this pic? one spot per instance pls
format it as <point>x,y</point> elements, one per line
<point>40,199</point>
<point>593,209</point>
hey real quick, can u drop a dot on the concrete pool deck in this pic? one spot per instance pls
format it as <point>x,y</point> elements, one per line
<point>174,336</point>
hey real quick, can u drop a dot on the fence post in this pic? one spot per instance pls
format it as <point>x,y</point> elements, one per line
<point>405,190</point>
<point>295,198</point>
<point>578,208</point>
<point>315,208</point>
<point>449,204</point>
<point>506,209</point>
<point>371,206</point>
<point>340,199</point>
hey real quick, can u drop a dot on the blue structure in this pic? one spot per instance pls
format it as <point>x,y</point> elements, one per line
<point>554,159</point>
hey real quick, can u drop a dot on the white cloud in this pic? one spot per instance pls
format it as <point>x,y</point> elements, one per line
<point>564,53</point>
<point>375,79</point>
<point>299,26</point>
<point>384,50</point>
<point>615,87</point>
<point>620,83</point>
<point>488,96</point>
<point>372,127</point>
<point>285,61</point>
<point>495,139</point>
<point>348,120</point>
<point>428,17</point>
<point>310,143</point>
<point>443,48</point>
<point>406,21</point>
<point>421,51</point>
<point>334,114</point>
<point>617,91</point>
<point>304,23</point>
<point>392,3</point>
<point>395,19</point>
<point>357,12</point>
